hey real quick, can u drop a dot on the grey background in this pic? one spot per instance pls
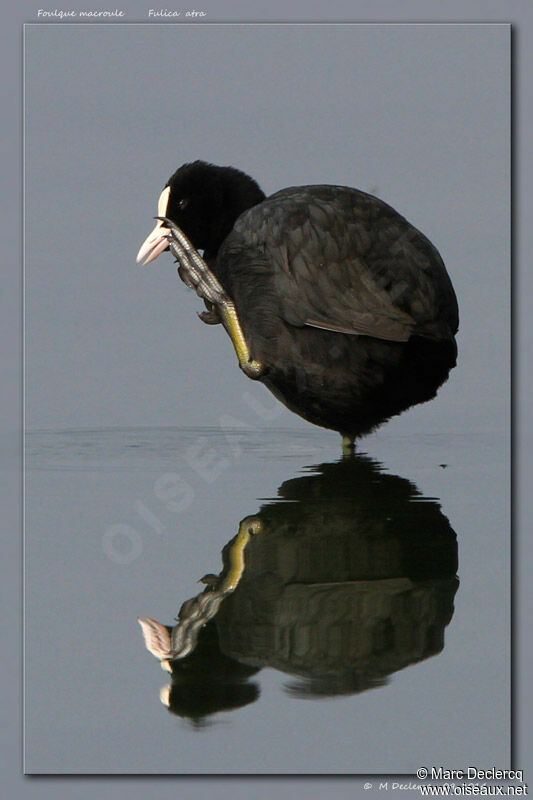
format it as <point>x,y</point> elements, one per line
<point>11,342</point>
<point>416,114</point>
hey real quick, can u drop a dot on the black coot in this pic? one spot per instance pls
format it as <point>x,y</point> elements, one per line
<point>332,299</point>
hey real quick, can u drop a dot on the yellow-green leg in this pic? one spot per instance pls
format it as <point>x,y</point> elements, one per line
<point>230,320</point>
<point>348,445</point>
<point>247,528</point>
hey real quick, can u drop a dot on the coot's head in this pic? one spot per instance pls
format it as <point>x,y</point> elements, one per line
<point>204,201</point>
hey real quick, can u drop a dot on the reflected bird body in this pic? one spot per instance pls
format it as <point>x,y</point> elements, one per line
<point>332,299</point>
<point>344,578</point>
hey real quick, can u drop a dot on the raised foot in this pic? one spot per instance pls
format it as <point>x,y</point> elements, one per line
<point>211,316</point>
<point>195,273</point>
<point>192,269</point>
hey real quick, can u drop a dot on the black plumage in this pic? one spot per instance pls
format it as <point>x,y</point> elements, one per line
<point>348,308</point>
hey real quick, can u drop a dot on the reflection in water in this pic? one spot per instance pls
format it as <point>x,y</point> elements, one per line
<point>347,576</point>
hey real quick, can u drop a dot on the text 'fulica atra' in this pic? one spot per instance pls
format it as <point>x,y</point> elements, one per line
<point>331,298</point>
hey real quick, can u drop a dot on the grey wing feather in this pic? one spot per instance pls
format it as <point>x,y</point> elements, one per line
<point>345,261</point>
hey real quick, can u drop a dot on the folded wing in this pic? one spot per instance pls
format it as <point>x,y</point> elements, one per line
<point>344,261</point>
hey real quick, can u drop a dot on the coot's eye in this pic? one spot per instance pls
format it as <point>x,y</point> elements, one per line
<point>183,203</point>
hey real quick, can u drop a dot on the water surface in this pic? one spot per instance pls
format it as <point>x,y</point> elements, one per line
<point>353,615</point>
